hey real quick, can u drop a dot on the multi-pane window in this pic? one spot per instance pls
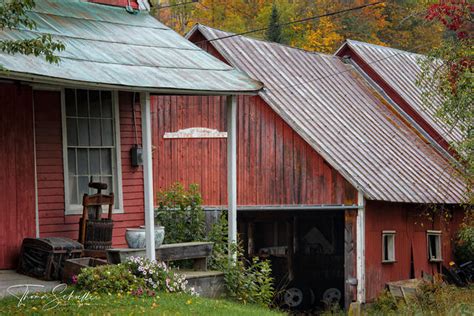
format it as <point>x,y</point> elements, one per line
<point>388,246</point>
<point>434,245</point>
<point>91,147</point>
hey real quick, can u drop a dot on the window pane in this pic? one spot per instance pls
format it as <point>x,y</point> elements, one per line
<point>71,161</point>
<point>106,103</point>
<point>108,180</point>
<point>95,132</point>
<point>83,186</point>
<point>82,103</point>
<point>83,128</point>
<point>107,133</point>
<point>73,190</point>
<point>106,161</point>
<point>70,102</point>
<point>94,160</point>
<point>94,103</point>
<point>71,132</point>
<point>82,161</point>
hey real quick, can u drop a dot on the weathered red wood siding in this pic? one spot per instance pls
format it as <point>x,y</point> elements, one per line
<point>411,227</point>
<point>53,221</point>
<point>17,179</point>
<point>275,165</point>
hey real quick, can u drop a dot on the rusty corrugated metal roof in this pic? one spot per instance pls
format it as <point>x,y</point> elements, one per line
<point>105,45</point>
<point>334,110</point>
<point>401,70</point>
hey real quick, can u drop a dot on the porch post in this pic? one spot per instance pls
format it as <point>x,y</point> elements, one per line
<point>148,175</point>
<point>360,232</point>
<point>232,166</point>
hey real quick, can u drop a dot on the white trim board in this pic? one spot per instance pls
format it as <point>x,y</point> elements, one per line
<point>195,132</point>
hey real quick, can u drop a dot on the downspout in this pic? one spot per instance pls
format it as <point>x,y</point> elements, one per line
<point>360,261</point>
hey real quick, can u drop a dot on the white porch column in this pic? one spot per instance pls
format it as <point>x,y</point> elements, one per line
<point>360,232</point>
<point>148,175</point>
<point>232,166</point>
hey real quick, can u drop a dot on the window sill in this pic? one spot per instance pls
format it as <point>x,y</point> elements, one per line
<point>388,261</point>
<point>435,260</point>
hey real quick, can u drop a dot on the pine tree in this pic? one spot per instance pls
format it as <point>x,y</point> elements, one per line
<point>274,29</point>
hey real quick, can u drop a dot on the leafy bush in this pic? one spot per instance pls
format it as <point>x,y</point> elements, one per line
<point>464,244</point>
<point>385,304</point>
<point>180,212</point>
<point>137,276</point>
<point>109,279</point>
<point>247,281</point>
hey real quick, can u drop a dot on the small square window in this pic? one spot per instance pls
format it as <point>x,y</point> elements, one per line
<point>388,246</point>
<point>434,246</point>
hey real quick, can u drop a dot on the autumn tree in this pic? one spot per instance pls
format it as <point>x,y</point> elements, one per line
<point>273,33</point>
<point>448,72</point>
<point>13,14</point>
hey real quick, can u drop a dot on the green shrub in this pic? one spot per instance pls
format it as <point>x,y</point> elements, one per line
<point>385,304</point>
<point>109,279</point>
<point>136,276</point>
<point>180,212</point>
<point>464,243</point>
<point>247,281</point>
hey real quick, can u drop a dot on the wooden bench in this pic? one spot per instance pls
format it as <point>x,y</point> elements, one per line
<point>196,251</point>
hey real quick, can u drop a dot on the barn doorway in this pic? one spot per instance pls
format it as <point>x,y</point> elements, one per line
<point>306,249</point>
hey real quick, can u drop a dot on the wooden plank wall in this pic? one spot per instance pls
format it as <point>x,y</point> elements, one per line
<point>17,190</point>
<point>410,226</point>
<point>53,221</point>
<point>275,165</point>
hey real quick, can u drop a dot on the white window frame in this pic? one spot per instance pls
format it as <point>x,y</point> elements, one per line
<point>392,234</point>
<point>439,247</point>
<point>75,209</point>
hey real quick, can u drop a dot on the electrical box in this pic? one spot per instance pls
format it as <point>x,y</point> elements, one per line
<point>137,156</point>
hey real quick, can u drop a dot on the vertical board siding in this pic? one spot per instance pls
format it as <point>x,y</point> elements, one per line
<point>275,166</point>
<point>53,221</point>
<point>17,181</point>
<point>410,226</point>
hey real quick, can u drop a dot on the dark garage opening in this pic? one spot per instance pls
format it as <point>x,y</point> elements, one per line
<point>306,249</point>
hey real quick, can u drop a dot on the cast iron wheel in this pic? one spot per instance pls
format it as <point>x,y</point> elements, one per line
<point>332,297</point>
<point>298,297</point>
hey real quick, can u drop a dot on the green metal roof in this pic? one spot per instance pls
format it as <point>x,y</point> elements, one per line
<point>106,46</point>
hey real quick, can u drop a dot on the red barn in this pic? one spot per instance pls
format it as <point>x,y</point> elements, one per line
<point>62,124</point>
<point>332,179</point>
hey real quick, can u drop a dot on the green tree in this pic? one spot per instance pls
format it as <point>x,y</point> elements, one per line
<point>274,33</point>
<point>13,14</point>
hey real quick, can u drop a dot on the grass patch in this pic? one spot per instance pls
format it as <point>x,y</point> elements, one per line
<point>81,303</point>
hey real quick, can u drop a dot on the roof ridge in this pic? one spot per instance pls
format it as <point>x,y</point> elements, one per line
<point>266,41</point>
<point>349,41</point>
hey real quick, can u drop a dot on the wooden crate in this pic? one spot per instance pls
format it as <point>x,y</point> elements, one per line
<point>74,266</point>
<point>44,258</point>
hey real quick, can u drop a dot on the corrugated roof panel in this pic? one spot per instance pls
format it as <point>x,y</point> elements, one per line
<point>336,112</point>
<point>401,70</point>
<point>107,46</point>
